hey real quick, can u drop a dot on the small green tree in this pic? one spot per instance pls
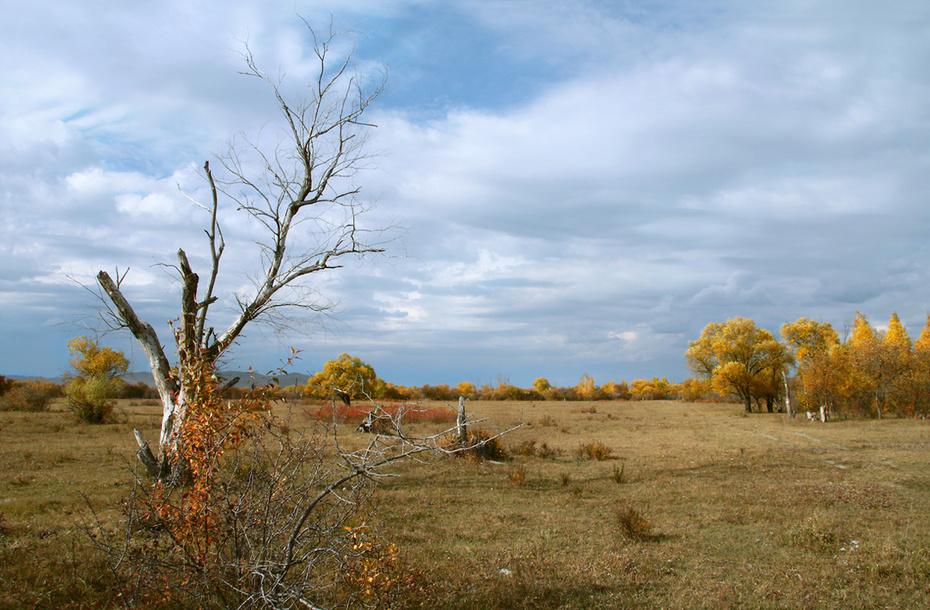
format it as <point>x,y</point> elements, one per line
<point>97,380</point>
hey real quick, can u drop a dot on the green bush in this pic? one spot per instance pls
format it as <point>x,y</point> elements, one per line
<point>29,396</point>
<point>89,397</point>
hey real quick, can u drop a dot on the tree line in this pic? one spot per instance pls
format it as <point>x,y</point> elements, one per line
<point>348,378</point>
<point>869,372</point>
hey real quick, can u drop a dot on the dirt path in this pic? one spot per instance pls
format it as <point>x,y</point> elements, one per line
<point>793,442</point>
<point>821,441</point>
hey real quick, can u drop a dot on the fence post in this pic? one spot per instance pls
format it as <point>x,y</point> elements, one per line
<point>460,426</point>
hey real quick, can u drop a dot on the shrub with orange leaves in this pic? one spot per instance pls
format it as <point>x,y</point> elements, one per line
<point>261,516</point>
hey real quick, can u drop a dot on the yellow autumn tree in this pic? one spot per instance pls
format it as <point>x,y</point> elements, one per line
<point>813,346</point>
<point>88,358</point>
<point>872,373</point>
<point>586,390</point>
<point>467,389</point>
<point>738,359</point>
<point>616,391</point>
<point>346,378</point>
<point>98,369</point>
<point>878,367</point>
<point>809,339</point>
<point>896,362</point>
<point>650,389</point>
<point>921,372</point>
<point>860,364</point>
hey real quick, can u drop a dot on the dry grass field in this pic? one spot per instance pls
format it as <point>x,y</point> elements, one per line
<point>696,506</point>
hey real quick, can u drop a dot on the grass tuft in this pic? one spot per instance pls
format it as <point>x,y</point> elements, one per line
<point>631,522</point>
<point>593,451</point>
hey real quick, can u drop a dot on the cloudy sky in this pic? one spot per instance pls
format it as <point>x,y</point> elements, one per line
<point>577,187</point>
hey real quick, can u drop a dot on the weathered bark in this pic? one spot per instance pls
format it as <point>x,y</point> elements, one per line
<point>166,385</point>
<point>460,426</point>
<point>787,396</point>
<point>145,456</point>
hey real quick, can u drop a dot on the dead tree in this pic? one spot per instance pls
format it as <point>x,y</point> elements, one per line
<point>280,518</point>
<point>304,191</point>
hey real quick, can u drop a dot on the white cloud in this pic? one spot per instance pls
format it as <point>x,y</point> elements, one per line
<point>590,194</point>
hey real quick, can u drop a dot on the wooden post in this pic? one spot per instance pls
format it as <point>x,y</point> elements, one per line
<point>460,422</point>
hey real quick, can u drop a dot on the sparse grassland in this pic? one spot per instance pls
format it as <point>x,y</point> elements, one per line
<point>694,506</point>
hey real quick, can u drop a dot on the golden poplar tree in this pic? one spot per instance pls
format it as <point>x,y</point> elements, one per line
<point>814,345</point>
<point>920,372</point>
<point>862,368</point>
<point>739,359</point>
<point>345,378</point>
<point>896,362</point>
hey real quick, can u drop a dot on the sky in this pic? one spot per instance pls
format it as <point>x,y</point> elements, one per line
<point>570,187</point>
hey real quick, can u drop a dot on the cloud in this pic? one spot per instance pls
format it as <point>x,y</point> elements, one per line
<point>582,187</point>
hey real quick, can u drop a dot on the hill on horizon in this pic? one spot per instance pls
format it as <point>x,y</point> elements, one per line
<point>245,378</point>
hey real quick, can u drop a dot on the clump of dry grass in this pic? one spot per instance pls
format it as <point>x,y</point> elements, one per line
<point>528,448</point>
<point>631,522</point>
<point>517,475</point>
<point>816,533</point>
<point>525,448</point>
<point>593,451</point>
<point>617,473</point>
<point>481,445</point>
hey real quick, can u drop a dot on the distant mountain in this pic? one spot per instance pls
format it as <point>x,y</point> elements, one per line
<point>245,379</point>
<point>143,377</point>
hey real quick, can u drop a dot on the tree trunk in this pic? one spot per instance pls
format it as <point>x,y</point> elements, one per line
<point>787,397</point>
<point>170,386</point>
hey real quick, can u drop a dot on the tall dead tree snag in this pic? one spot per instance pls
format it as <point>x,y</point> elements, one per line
<point>303,199</point>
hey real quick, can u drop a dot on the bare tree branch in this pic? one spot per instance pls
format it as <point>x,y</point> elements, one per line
<point>309,178</point>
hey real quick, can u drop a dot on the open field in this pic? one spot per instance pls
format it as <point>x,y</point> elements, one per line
<point>744,511</point>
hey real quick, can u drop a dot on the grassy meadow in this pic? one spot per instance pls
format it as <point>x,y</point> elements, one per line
<point>695,506</point>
